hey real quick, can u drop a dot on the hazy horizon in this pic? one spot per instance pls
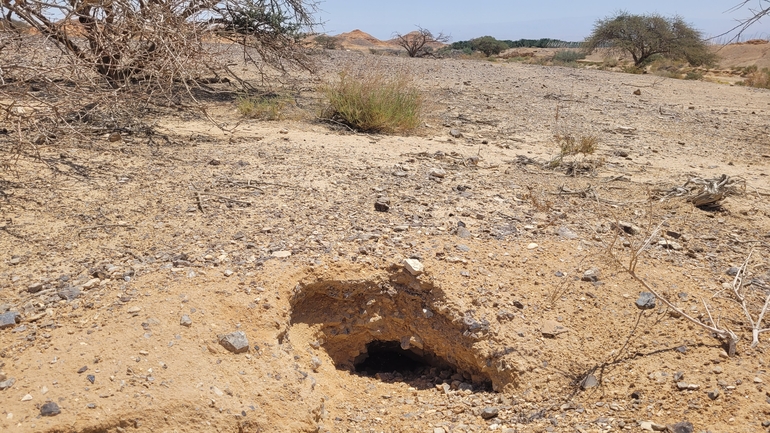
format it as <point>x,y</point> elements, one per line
<point>558,19</point>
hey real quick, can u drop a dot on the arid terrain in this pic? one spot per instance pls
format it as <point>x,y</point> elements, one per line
<point>124,264</point>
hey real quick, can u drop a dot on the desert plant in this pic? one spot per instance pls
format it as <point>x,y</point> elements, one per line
<point>757,78</point>
<point>374,101</point>
<point>264,107</point>
<point>327,42</point>
<point>643,36</point>
<point>417,43</point>
<point>570,145</point>
<point>693,75</point>
<point>568,56</point>
<point>488,45</point>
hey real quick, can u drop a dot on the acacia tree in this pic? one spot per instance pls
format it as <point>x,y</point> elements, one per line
<point>644,36</point>
<point>417,43</point>
<point>488,45</point>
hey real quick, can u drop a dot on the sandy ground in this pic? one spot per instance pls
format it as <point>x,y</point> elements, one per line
<point>126,263</point>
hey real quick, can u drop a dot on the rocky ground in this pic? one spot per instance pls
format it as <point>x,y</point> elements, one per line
<point>204,280</point>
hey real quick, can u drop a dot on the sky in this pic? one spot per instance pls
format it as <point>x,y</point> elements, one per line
<point>567,20</point>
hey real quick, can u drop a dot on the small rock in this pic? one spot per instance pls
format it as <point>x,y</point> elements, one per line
<point>91,378</point>
<point>489,412</point>
<point>9,319</point>
<point>283,131</point>
<point>671,245</point>
<point>215,162</point>
<point>315,363</point>
<point>381,206</point>
<point>35,287</point>
<point>757,380</point>
<point>400,173</point>
<point>68,293</point>
<point>591,275</point>
<point>552,328</point>
<point>185,321</point>
<point>134,310</point>
<point>681,427</point>
<point>590,381</point>
<point>566,233</point>
<point>455,133</point>
<point>114,137</point>
<point>439,430</point>
<point>532,246</point>
<point>82,369</point>
<point>713,394</point>
<point>638,92</point>
<point>413,266</point>
<point>228,272</point>
<point>235,342</point>
<point>281,254</point>
<point>463,233</point>
<point>463,248</point>
<point>629,228</point>
<point>646,301</point>
<point>651,426</point>
<point>437,172</point>
<point>91,405</point>
<point>50,409</point>
<point>27,397</point>
<point>684,386</point>
<point>7,383</point>
<point>90,284</point>
<point>732,271</point>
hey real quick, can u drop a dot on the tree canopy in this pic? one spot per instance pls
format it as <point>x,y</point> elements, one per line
<point>644,36</point>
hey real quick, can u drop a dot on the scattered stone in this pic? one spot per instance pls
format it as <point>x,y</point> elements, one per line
<point>9,319</point>
<point>114,137</point>
<point>414,267</point>
<point>532,246</point>
<point>50,409</point>
<point>185,321</point>
<point>671,245</point>
<point>590,381</point>
<point>566,233</point>
<point>681,427</point>
<point>27,397</point>
<point>713,394</point>
<point>638,92</point>
<point>733,271</point>
<point>684,386</point>
<point>455,133</point>
<point>235,342</point>
<point>82,369</point>
<point>489,412</point>
<point>646,301</point>
<point>631,229</point>
<point>463,233</point>
<point>437,172</point>
<point>439,430</point>
<point>134,310</point>
<point>463,248</point>
<point>91,378</point>
<point>7,383</point>
<point>314,362</point>
<point>678,376</point>
<point>281,254</point>
<point>651,426</point>
<point>90,284</point>
<point>382,205</point>
<point>592,275</point>
<point>283,131</point>
<point>757,380</point>
<point>228,272</point>
<point>765,423</point>
<point>91,405</point>
<point>400,173</point>
<point>35,287</point>
<point>68,293</point>
<point>552,328</point>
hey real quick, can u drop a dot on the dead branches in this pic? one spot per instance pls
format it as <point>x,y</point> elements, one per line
<point>706,192</point>
<point>420,42</point>
<point>740,296</point>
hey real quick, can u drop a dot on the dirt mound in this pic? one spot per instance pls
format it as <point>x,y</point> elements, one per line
<point>361,40</point>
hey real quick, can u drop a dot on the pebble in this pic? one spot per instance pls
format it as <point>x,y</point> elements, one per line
<point>681,427</point>
<point>455,133</point>
<point>27,397</point>
<point>414,267</point>
<point>68,293</point>
<point>133,310</point>
<point>713,394</point>
<point>589,382</point>
<point>9,319</point>
<point>592,275</point>
<point>671,245</point>
<point>532,246</point>
<point>235,342</point>
<point>91,405</point>
<point>90,284</point>
<point>462,248</point>
<point>7,383</point>
<point>381,206</point>
<point>651,426</point>
<point>91,378</point>
<point>646,301</point>
<point>228,272</point>
<point>733,271</point>
<point>629,228</point>
<point>552,328</point>
<point>50,409</point>
<point>566,233</point>
<point>82,369</point>
<point>684,386</point>
<point>463,233</point>
<point>35,287</point>
<point>489,412</point>
<point>185,321</point>
<point>437,172</point>
<point>281,254</point>
<point>757,380</point>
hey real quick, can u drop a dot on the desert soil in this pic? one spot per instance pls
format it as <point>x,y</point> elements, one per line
<point>128,260</point>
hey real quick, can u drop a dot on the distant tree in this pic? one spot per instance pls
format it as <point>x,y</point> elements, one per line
<point>327,42</point>
<point>488,45</point>
<point>644,36</point>
<point>417,43</point>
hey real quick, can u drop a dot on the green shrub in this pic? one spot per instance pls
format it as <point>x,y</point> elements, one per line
<point>488,45</point>
<point>373,101</point>
<point>694,75</point>
<point>264,107</point>
<point>568,56</point>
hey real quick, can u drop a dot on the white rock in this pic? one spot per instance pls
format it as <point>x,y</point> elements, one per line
<point>532,246</point>
<point>281,254</point>
<point>26,398</point>
<point>413,266</point>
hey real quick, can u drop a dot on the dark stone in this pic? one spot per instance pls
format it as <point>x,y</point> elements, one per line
<point>636,395</point>
<point>681,349</point>
<point>7,383</point>
<point>518,305</point>
<point>559,274</point>
<point>489,412</point>
<point>91,378</point>
<point>713,394</point>
<point>50,409</point>
<point>381,206</point>
<point>732,271</point>
<point>9,319</point>
<point>235,342</point>
<point>68,293</point>
<point>646,301</point>
<point>681,427</point>
<point>463,233</point>
<point>82,369</point>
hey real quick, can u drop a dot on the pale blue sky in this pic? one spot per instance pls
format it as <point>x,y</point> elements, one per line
<point>559,19</point>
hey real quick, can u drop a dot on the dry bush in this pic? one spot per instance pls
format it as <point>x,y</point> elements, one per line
<point>264,107</point>
<point>757,78</point>
<point>373,100</point>
<point>102,65</point>
<point>419,42</point>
